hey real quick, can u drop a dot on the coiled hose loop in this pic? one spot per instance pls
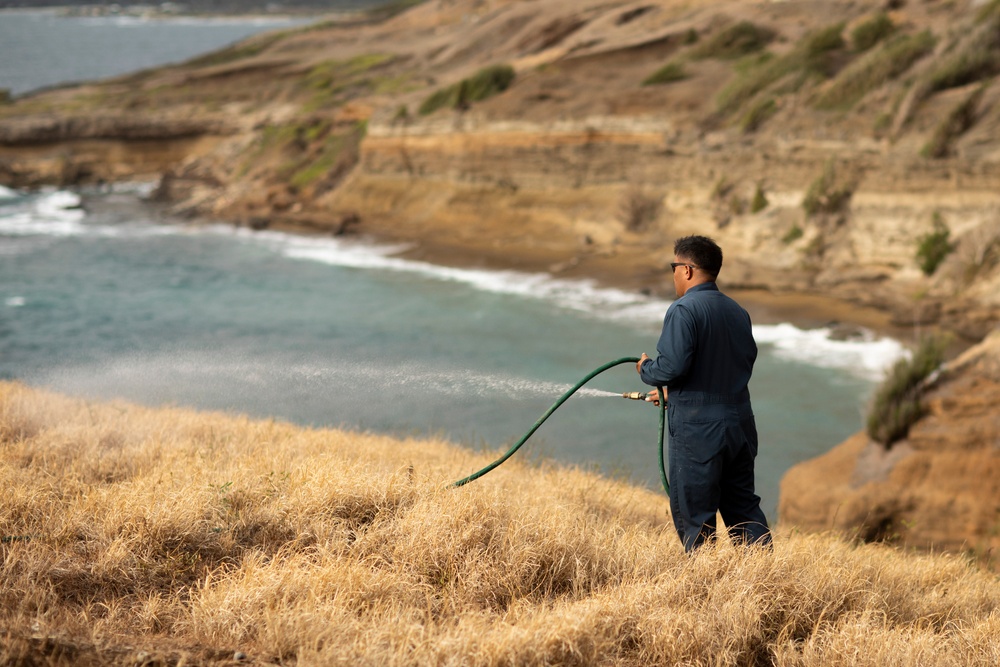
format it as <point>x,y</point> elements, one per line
<point>562,399</point>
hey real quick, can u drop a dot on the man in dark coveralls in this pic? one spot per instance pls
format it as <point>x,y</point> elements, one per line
<point>705,357</point>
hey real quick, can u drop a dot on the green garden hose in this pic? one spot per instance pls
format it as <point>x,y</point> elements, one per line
<point>597,371</point>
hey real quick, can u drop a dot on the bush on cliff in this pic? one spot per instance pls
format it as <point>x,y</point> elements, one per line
<point>814,56</point>
<point>734,41</point>
<point>953,125</point>
<point>875,68</point>
<point>871,32</point>
<point>828,193</point>
<point>485,83</point>
<point>934,246</point>
<point>672,71</point>
<point>897,403</point>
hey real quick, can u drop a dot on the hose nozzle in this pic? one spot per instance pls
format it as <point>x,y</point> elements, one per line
<point>635,395</point>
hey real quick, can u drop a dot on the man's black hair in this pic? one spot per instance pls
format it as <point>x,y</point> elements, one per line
<point>701,251</point>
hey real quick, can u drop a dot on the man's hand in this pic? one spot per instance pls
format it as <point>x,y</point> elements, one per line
<point>638,364</point>
<point>654,398</point>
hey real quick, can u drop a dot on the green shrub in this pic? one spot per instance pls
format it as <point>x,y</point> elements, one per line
<point>338,154</point>
<point>989,10</point>
<point>792,235</point>
<point>934,246</point>
<point>958,120</point>
<point>818,44</point>
<point>896,404</point>
<point>871,32</point>
<point>811,56</point>
<point>734,41</point>
<point>438,99</point>
<point>976,58</point>
<point>759,201</point>
<point>489,81</point>
<point>875,68</point>
<point>826,194</point>
<point>758,113</point>
<point>672,71</point>
<point>483,84</point>
<point>757,75</point>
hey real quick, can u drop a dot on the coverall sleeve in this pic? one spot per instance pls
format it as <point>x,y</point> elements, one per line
<point>675,349</point>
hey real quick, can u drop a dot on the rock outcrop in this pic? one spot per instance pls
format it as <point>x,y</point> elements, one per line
<point>937,489</point>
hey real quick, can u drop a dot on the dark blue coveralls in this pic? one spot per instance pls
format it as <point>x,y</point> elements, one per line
<point>705,357</point>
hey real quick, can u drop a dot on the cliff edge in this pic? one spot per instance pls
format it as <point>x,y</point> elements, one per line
<point>938,489</point>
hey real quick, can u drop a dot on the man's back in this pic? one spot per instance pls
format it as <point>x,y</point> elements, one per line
<point>706,350</point>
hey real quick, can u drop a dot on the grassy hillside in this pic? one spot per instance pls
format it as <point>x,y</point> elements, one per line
<point>165,536</point>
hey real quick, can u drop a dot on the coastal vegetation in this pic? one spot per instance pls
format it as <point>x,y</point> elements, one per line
<point>484,84</point>
<point>871,32</point>
<point>874,69</point>
<point>133,535</point>
<point>897,403</point>
<point>734,41</point>
<point>813,56</point>
<point>934,246</point>
<point>953,125</point>
<point>828,193</point>
<point>672,71</point>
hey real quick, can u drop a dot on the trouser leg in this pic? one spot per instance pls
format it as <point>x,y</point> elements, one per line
<point>739,504</point>
<point>694,497</point>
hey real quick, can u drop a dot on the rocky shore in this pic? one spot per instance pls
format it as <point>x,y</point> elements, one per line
<point>845,154</point>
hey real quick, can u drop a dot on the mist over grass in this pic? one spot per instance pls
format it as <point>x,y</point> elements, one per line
<point>162,536</point>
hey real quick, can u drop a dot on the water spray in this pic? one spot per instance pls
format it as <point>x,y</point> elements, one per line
<point>635,395</point>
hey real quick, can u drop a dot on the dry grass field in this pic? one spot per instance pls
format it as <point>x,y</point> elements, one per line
<point>139,536</point>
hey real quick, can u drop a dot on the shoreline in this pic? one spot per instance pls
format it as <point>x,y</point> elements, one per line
<point>632,273</point>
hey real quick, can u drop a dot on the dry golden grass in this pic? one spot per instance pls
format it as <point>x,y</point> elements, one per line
<point>165,536</point>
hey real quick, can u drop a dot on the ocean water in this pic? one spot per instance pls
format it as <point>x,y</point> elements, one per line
<point>40,48</point>
<point>101,298</point>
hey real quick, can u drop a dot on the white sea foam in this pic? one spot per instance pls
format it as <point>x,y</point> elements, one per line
<point>7,193</point>
<point>579,295</point>
<point>54,213</point>
<point>14,301</point>
<point>866,356</point>
<point>58,213</point>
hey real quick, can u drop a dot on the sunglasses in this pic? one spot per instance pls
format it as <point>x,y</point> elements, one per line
<point>674,265</point>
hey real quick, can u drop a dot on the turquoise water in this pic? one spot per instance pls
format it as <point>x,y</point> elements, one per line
<point>107,301</point>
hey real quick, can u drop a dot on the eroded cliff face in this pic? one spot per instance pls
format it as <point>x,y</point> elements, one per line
<point>937,489</point>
